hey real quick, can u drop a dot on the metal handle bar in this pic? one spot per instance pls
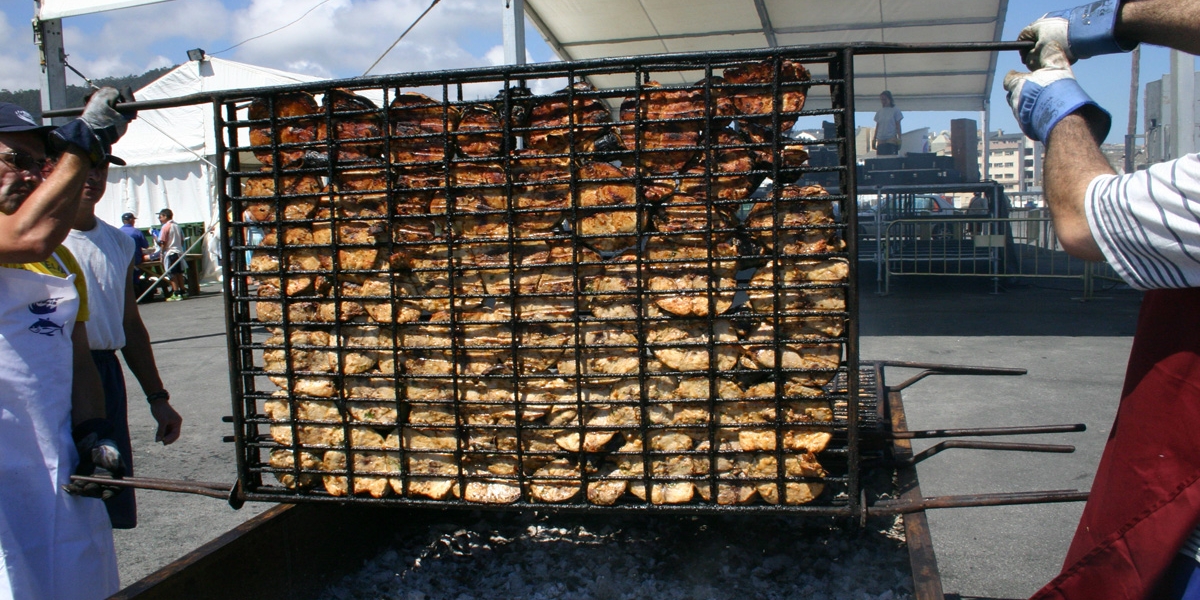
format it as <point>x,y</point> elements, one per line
<point>900,507</point>
<point>978,445</point>
<point>866,48</point>
<point>232,494</point>
<point>938,369</point>
<point>986,431</point>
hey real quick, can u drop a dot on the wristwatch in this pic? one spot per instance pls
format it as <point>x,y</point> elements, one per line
<point>159,395</point>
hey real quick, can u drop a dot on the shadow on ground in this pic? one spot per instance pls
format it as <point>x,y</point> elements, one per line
<point>971,306</point>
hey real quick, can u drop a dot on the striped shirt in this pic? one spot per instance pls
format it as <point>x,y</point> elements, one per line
<point>1147,224</point>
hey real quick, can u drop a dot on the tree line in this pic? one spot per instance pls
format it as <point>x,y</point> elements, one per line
<point>31,100</point>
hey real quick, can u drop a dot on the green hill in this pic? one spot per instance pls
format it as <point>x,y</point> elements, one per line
<point>31,100</point>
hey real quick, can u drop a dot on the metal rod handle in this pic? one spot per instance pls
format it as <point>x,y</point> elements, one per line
<point>900,507</point>
<point>978,445</point>
<point>986,431</point>
<point>202,488</point>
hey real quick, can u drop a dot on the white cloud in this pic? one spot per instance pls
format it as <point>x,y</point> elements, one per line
<point>338,39</point>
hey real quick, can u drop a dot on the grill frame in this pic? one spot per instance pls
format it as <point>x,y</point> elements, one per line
<point>242,346</point>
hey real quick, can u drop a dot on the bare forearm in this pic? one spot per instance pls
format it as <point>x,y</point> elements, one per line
<point>42,222</point>
<point>139,356</point>
<point>87,393</point>
<point>1170,23</point>
<point>1073,160</point>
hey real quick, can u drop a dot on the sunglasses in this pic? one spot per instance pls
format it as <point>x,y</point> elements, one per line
<point>23,162</point>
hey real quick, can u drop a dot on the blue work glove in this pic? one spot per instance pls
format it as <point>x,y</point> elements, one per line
<point>1042,98</point>
<point>93,440</point>
<point>1082,32</point>
<point>98,128</point>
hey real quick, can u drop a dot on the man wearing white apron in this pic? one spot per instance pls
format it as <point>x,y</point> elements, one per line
<point>53,545</point>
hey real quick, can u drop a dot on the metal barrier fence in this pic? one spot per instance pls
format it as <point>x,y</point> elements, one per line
<point>1022,245</point>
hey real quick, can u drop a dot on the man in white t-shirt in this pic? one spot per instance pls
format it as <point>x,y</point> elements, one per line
<point>106,256</point>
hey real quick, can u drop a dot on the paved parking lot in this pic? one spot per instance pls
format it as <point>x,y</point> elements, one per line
<point>1075,353</point>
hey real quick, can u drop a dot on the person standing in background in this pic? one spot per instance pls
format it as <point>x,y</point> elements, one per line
<point>170,239</point>
<point>254,234</point>
<point>106,256</point>
<point>139,239</point>
<point>886,141</point>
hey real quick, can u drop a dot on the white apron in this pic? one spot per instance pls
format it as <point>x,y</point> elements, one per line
<point>52,545</point>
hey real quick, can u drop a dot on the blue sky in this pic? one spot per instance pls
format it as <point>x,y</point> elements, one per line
<point>341,38</point>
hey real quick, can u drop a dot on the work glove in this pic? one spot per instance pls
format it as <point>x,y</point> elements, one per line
<point>93,440</point>
<point>1042,98</point>
<point>1082,32</point>
<point>98,128</point>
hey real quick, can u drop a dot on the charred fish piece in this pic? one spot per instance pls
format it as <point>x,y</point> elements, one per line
<point>679,276</point>
<point>296,121</point>
<point>609,217</point>
<point>663,126</point>
<point>264,201</point>
<point>731,178</point>
<point>756,103</point>
<point>479,132</point>
<point>419,124</point>
<point>357,126</point>
<point>576,112</point>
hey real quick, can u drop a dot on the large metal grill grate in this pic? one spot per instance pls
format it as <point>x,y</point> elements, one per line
<point>562,299</point>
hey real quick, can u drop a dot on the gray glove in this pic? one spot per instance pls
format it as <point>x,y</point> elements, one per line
<point>1082,32</point>
<point>1041,99</point>
<point>93,440</point>
<point>98,128</point>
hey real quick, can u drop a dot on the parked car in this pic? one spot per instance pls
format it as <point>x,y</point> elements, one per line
<point>874,216</point>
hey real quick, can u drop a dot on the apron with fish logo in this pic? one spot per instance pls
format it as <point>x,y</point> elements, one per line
<point>52,545</point>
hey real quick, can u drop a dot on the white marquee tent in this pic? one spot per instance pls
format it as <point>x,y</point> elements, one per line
<point>171,152</point>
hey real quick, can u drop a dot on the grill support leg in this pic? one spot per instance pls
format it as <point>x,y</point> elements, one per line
<point>927,580</point>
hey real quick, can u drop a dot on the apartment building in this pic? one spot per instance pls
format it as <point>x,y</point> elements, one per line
<point>1014,161</point>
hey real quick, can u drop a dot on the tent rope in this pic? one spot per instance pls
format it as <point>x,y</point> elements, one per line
<point>410,28</point>
<point>318,5</point>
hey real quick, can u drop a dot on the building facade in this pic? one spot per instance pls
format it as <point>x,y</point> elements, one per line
<point>1014,161</point>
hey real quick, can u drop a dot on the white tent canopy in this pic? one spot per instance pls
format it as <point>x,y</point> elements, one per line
<point>582,29</point>
<point>170,152</point>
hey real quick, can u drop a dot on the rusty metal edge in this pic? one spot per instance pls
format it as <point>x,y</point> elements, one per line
<point>289,552</point>
<point>927,580</point>
<point>222,544</point>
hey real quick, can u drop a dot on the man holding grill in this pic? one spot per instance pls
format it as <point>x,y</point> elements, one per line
<point>107,257</point>
<point>1138,535</point>
<point>52,544</point>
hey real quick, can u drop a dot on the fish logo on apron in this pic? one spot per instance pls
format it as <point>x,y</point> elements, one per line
<point>46,326</point>
<point>45,307</point>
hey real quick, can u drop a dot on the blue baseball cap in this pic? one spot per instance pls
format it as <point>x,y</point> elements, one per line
<point>14,119</point>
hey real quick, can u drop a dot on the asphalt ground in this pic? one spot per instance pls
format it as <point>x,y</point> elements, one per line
<point>1075,353</point>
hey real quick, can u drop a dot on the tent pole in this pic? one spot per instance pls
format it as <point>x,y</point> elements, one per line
<point>49,40</point>
<point>514,32</point>
<point>987,149</point>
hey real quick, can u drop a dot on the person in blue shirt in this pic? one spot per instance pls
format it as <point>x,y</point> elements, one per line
<point>139,239</point>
